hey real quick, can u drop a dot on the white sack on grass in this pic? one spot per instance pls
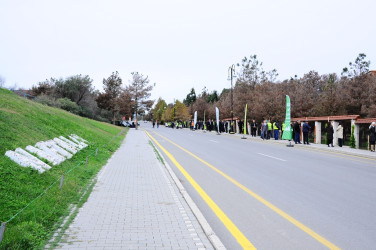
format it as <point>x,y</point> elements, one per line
<point>52,144</point>
<point>42,146</point>
<point>80,144</point>
<point>33,158</point>
<point>23,161</point>
<point>70,142</point>
<point>74,139</point>
<point>42,154</point>
<point>65,145</point>
<point>79,138</point>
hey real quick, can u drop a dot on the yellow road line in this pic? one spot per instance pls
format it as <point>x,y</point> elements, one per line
<point>239,236</point>
<point>301,226</point>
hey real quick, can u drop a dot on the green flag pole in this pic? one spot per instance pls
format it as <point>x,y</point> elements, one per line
<point>204,123</point>
<point>287,132</point>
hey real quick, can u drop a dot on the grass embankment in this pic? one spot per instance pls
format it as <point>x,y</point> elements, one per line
<point>24,122</point>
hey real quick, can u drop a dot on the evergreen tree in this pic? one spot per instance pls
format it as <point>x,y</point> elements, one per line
<point>352,137</point>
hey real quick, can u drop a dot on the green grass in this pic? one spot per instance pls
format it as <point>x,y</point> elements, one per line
<point>159,157</point>
<point>24,122</point>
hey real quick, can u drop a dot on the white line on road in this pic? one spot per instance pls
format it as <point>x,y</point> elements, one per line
<point>214,141</point>
<point>272,157</point>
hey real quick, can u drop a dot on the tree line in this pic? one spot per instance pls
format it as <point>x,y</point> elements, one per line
<point>353,92</point>
<point>76,94</point>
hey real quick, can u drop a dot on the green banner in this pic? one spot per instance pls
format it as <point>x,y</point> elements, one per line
<point>245,120</point>
<point>204,121</point>
<point>287,132</point>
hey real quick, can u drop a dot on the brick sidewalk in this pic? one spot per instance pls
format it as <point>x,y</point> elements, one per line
<point>135,205</point>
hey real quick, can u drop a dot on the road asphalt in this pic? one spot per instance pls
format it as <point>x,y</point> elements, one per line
<point>220,191</point>
<point>304,197</point>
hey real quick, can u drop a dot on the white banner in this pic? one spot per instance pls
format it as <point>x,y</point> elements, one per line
<point>195,120</point>
<point>217,115</point>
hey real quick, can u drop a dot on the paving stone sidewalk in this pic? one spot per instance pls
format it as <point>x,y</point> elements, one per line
<point>135,205</point>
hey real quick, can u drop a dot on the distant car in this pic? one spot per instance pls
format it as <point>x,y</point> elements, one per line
<point>126,124</point>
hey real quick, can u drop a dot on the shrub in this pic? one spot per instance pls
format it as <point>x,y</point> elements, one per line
<point>46,100</point>
<point>85,112</point>
<point>68,105</point>
<point>352,137</point>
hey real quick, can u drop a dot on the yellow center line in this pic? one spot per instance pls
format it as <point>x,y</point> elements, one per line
<point>295,222</point>
<point>239,236</point>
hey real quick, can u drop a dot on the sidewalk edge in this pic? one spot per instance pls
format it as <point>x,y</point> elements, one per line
<point>213,238</point>
<point>314,145</point>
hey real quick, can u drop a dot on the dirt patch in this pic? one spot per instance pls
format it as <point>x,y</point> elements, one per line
<point>8,111</point>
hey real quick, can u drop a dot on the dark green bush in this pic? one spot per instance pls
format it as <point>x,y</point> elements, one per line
<point>68,105</point>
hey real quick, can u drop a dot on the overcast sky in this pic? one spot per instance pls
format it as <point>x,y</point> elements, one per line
<point>180,44</point>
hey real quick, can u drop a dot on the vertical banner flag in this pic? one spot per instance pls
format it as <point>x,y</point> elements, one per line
<point>245,120</point>
<point>195,120</point>
<point>287,132</point>
<point>217,115</point>
<point>204,121</point>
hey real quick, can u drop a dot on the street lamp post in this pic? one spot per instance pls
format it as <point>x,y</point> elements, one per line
<point>231,75</point>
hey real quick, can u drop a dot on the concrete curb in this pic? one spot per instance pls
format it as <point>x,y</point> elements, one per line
<point>213,238</point>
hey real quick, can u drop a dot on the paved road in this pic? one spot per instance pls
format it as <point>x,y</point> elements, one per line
<point>135,205</point>
<point>278,197</point>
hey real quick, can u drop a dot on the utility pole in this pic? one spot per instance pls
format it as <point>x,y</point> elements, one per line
<point>231,75</point>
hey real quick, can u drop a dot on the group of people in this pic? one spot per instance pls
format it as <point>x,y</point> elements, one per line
<point>329,133</point>
<point>155,122</point>
<point>297,131</point>
<point>269,129</point>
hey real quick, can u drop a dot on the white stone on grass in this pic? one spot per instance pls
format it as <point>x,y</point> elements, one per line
<point>23,161</point>
<point>33,158</point>
<point>55,151</point>
<point>42,154</point>
<point>76,146</point>
<point>42,146</point>
<point>63,152</point>
<point>74,139</point>
<point>79,138</point>
<point>80,144</point>
<point>65,145</point>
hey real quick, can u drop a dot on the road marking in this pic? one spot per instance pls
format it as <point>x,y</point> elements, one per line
<point>214,141</point>
<point>295,222</point>
<point>271,157</point>
<point>239,236</point>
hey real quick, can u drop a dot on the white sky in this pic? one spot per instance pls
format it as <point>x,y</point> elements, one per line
<point>180,44</point>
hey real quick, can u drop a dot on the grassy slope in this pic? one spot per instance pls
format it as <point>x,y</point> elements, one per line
<point>24,122</point>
